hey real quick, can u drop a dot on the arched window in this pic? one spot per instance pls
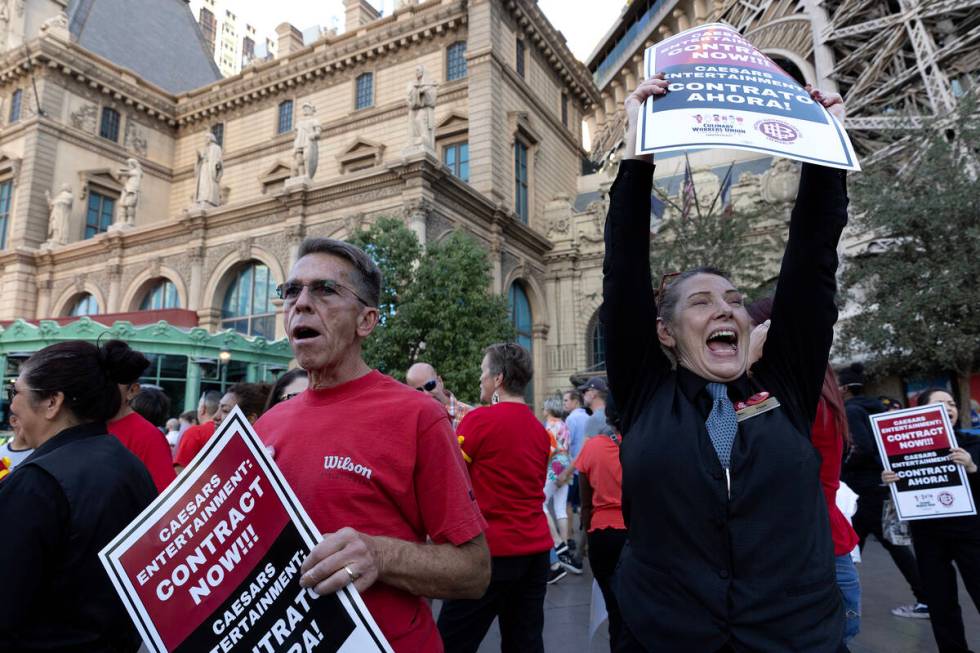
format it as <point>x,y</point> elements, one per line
<point>520,315</point>
<point>596,342</point>
<point>163,294</point>
<point>247,306</point>
<point>85,304</point>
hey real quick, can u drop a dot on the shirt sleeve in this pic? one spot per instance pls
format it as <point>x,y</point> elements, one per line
<point>583,462</point>
<point>446,500</point>
<point>634,359</point>
<point>189,445</point>
<point>34,512</point>
<point>156,457</point>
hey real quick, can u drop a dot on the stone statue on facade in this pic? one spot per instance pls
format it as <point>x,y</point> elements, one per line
<point>422,111</point>
<point>306,147</point>
<point>207,171</point>
<point>60,214</point>
<point>133,174</point>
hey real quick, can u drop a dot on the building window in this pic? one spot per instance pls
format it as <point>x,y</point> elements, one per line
<point>6,191</point>
<point>15,101</point>
<point>596,339</point>
<point>364,96</point>
<point>520,181</point>
<point>285,117</point>
<point>208,28</point>
<point>98,216</point>
<point>248,50</point>
<point>247,306</point>
<point>218,130</point>
<point>85,305</point>
<point>457,158</point>
<point>162,295</point>
<point>520,316</point>
<point>564,109</point>
<point>109,127</point>
<point>456,61</point>
<point>520,57</point>
<point>169,372</point>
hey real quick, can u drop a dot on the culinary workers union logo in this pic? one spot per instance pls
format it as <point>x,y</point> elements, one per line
<point>778,131</point>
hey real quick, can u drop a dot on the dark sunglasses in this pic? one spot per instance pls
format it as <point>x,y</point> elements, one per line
<point>290,396</point>
<point>320,289</point>
<point>429,386</point>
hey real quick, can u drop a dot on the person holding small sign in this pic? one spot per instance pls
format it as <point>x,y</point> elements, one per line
<point>941,542</point>
<point>728,529</point>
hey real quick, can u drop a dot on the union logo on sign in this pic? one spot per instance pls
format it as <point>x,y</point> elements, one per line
<point>778,131</point>
<point>946,499</point>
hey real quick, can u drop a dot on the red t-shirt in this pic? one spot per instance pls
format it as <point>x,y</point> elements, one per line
<point>381,458</point>
<point>507,449</point>
<point>599,461</point>
<point>193,440</point>
<point>827,440</point>
<point>148,444</point>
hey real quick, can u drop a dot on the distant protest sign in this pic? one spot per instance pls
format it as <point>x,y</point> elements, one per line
<point>212,566</point>
<point>725,93</point>
<point>915,444</point>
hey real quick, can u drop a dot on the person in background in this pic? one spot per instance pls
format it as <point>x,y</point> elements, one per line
<point>556,490</point>
<point>15,450</point>
<point>287,386</point>
<point>139,435</point>
<point>62,505</point>
<point>423,377</point>
<point>172,434</point>
<point>829,436</point>
<point>594,392</point>
<point>601,479</point>
<point>862,472</point>
<point>891,404</point>
<point>939,543</point>
<point>576,420</point>
<point>153,404</point>
<point>195,437</point>
<point>506,450</point>
<point>250,397</point>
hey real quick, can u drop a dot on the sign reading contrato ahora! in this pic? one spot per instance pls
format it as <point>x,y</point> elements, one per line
<point>915,444</point>
<point>213,564</point>
<point>725,93</point>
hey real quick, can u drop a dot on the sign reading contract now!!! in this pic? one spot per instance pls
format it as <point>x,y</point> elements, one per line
<point>725,93</point>
<point>346,464</point>
<point>213,564</point>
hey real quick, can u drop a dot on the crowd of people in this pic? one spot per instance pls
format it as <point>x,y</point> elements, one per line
<point>699,478</point>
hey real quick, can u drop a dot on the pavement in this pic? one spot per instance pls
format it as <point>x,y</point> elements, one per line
<point>566,614</point>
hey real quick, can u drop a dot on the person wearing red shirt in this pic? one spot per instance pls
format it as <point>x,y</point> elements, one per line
<point>138,435</point>
<point>506,449</point>
<point>375,463</point>
<point>195,437</point>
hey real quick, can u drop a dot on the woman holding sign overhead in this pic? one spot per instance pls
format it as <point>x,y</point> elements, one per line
<point>64,503</point>
<point>728,547</point>
<point>941,542</point>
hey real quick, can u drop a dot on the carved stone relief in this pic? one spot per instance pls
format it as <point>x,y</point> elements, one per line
<point>84,118</point>
<point>135,138</point>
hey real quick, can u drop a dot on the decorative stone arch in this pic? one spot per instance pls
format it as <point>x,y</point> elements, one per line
<point>589,334</point>
<point>535,294</point>
<point>68,296</point>
<point>221,277</point>
<point>145,281</point>
<point>801,62</point>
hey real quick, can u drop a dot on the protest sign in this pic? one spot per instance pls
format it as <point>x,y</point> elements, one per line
<point>725,93</point>
<point>915,443</point>
<point>212,565</point>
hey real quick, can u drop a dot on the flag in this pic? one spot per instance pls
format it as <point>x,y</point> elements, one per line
<point>687,192</point>
<point>726,193</point>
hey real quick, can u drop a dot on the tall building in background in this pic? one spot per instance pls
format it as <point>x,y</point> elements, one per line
<point>233,42</point>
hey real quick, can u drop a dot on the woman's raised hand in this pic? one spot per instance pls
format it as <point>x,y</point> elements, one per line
<point>962,457</point>
<point>652,86</point>
<point>833,102</point>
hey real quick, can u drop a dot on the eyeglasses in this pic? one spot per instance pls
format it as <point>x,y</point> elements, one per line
<point>429,386</point>
<point>12,392</point>
<point>665,282</point>
<point>289,396</point>
<point>321,289</point>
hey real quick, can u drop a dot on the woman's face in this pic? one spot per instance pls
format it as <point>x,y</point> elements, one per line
<point>229,401</point>
<point>946,399</point>
<point>487,385</point>
<point>294,387</point>
<point>30,416</point>
<point>709,330</point>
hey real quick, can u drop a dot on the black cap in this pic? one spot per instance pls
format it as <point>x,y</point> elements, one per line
<point>595,383</point>
<point>853,374</point>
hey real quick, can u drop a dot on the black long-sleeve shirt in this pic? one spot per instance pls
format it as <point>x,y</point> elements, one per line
<point>704,569</point>
<point>59,508</point>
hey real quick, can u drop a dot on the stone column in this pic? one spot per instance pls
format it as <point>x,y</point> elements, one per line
<point>823,56</point>
<point>251,372</point>
<point>115,279</point>
<point>619,95</point>
<point>418,217</point>
<point>192,391</point>
<point>196,288</point>
<point>43,297</point>
<point>539,341</point>
<point>608,103</point>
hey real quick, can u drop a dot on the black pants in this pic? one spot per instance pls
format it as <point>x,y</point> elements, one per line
<point>629,644</point>
<point>936,552</point>
<point>867,521</point>
<point>605,544</point>
<point>515,596</point>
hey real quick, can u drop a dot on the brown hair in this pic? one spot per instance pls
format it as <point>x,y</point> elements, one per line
<point>367,274</point>
<point>251,397</point>
<point>275,394</point>
<point>670,294</point>
<point>514,362</point>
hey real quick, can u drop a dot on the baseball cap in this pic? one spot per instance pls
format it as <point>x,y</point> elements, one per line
<point>595,383</point>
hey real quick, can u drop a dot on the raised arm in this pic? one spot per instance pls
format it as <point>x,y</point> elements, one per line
<point>804,308</point>
<point>628,313</point>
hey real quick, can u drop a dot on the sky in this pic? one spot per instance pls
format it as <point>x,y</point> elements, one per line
<point>583,22</point>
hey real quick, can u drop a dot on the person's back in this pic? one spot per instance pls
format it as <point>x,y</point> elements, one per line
<point>148,444</point>
<point>862,464</point>
<point>73,605</point>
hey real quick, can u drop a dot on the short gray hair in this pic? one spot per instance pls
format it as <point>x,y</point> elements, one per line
<point>367,275</point>
<point>554,406</point>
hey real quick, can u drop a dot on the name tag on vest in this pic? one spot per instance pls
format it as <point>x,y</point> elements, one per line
<point>753,410</point>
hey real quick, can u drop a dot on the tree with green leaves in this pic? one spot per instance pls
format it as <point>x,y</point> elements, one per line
<point>437,307</point>
<point>915,291</point>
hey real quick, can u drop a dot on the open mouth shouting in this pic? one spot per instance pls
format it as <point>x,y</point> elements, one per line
<point>303,333</point>
<point>723,342</point>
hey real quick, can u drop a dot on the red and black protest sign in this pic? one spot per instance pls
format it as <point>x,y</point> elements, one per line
<point>915,444</point>
<point>213,565</point>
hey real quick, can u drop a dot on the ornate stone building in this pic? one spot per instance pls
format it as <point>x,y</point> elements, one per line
<point>133,178</point>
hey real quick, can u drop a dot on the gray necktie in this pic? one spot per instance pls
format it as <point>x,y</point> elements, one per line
<point>721,423</point>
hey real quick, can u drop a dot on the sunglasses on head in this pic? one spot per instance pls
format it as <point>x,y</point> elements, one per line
<point>320,289</point>
<point>429,386</point>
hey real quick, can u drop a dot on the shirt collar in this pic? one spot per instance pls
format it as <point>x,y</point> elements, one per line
<point>692,385</point>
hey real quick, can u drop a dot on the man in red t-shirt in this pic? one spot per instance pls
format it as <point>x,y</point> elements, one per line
<point>195,437</point>
<point>144,440</point>
<point>374,462</point>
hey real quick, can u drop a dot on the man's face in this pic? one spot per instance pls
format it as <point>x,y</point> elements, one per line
<point>424,377</point>
<point>325,331</point>
<point>569,403</point>
<point>589,396</point>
